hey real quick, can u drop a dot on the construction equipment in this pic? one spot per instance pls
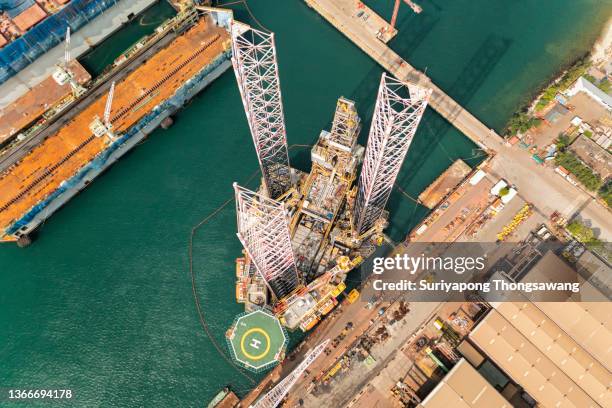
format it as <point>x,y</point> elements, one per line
<point>415,7</point>
<point>101,128</point>
<point>275,396</point>
<point>63,74</point>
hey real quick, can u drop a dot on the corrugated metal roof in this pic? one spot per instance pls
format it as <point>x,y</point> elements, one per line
<point>537,354</point>
<point>464,387</point>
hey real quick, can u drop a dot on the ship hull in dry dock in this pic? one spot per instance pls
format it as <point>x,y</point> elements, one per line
<point>22,228</point>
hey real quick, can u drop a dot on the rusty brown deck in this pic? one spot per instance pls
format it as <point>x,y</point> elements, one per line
<point>29,107</point>
<point>60,156</point>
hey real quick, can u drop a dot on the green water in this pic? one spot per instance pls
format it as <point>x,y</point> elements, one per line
<point>144,24</point>
<point>102,302</point>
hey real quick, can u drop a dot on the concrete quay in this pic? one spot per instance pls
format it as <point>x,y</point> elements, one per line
<point>342,15</point>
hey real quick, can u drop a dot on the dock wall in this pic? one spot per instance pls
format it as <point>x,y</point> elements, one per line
<point>41,48</point>
<point>341,14</point>
<point>69,188</point>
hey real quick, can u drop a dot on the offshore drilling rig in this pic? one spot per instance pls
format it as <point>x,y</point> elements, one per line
<point>303,232</point>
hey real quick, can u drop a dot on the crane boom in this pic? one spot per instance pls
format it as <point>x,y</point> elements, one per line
<point>67,47</point>
<point>395,11</point>
<point>276,395</point>
<point>109,104</point>
<point>415,7</point>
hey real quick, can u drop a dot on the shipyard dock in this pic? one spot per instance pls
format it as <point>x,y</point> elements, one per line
<point>539,186</point>
<point>344,16</point>
<point>97,20</point>
<point>42,176</point>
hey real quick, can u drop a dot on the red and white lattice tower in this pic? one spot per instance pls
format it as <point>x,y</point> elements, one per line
<point>256,69</point>
<point>263,229</point>
<point>399,109</point>
<point>274,397</point>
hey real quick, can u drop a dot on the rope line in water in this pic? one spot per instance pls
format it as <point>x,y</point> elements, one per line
<point>401,190</point>
<point>201,314</point>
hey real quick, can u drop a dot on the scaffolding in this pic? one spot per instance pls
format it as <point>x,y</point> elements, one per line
<point>398,111</point>
<point>255,66</point>
<point>263,229</point>
<point>345,124</point>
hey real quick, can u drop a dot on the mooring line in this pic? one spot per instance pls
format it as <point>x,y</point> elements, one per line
<point>201,314</point>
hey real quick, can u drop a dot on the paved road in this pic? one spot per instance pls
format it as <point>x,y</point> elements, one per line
<point>538,185</point>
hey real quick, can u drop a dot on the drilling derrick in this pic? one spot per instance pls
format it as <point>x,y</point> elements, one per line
<point>276,395</point>
<point>398,111</point>
<point>255,66</point>
<point>345,124</point>
<point>263,229</point>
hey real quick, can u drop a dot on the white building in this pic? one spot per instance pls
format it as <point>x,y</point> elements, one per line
<point>582,85</point>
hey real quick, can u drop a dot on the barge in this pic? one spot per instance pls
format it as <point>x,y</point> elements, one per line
<point>67,161</point>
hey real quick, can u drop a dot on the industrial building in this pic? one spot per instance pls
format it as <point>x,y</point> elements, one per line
<point>464,387</point>
<point>557,352</point>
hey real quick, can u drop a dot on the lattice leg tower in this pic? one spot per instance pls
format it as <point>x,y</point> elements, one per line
<point>263,229</point>
<point>399,109</point>
<point>256,69</point>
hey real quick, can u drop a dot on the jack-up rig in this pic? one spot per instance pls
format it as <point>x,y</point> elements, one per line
<point>303,232</point>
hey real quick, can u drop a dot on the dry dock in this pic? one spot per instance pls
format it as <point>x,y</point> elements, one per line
<point>343,14</point>
<point>62,154</point>
<point>32,105</point>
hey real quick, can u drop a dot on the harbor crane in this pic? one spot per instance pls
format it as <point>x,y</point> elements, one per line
<point>63,74</point>
<point>256,69</point>
<point>415,7</point>
<point>101,128</point>
<point>276,395</point>
<point>397,113</point>
<point>263,230</point>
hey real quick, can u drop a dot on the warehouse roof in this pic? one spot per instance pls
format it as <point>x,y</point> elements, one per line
<point>464,387</point>
<point>537,354</point>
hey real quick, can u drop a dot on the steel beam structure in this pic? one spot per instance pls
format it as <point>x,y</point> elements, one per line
<point>345,124</point>
<point>398,111</point>
<point>263,229</point>
<point>276,395</point>
<point>256,69</point>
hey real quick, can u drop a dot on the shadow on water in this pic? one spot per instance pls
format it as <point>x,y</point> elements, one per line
<point>434,128</point>
<point>412,33</point>
<point>415,30</point>
<point>463,89</point>
<point>479,68</point>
